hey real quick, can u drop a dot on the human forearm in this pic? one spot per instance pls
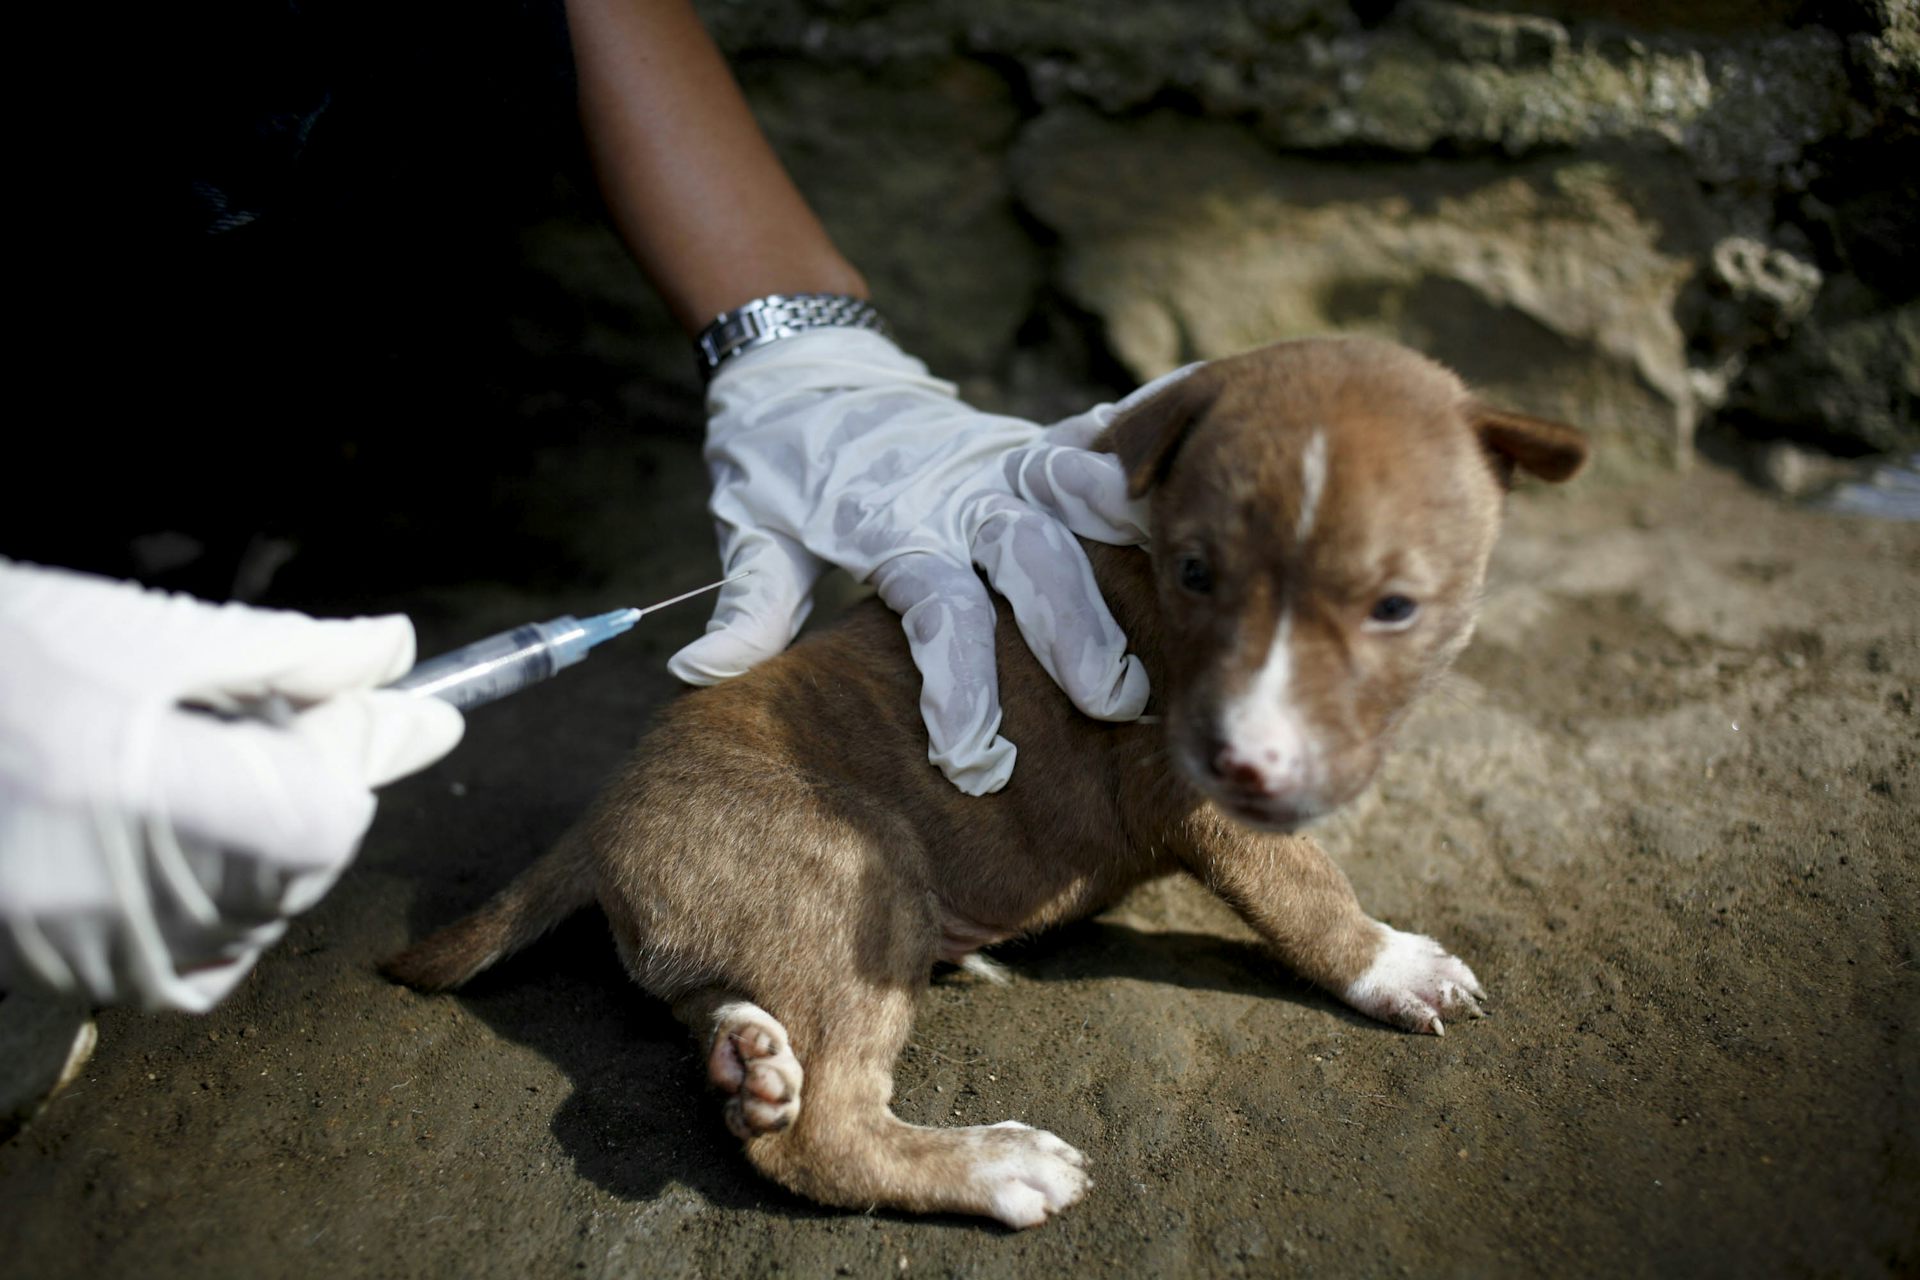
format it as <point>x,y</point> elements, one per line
<point>692,184</point>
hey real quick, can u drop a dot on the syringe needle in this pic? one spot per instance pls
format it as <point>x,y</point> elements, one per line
<point>697,591</point>
<point>488,669</point>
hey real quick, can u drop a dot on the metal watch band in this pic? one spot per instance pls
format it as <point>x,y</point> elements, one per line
<point>779,316</point>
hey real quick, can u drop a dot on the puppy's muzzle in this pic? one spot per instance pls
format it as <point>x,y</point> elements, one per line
<point>1264,785</point>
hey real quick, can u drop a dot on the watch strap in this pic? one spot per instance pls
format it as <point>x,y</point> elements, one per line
<point>780,315</point>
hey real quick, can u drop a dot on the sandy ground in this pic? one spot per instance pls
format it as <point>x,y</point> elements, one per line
<point>1668,809</point>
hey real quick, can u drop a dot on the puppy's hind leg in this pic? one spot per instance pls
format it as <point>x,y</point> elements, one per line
<point>846,1147</point>
<point>749,1059</point>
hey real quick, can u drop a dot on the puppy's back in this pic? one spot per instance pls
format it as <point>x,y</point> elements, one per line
<point>804,786</point>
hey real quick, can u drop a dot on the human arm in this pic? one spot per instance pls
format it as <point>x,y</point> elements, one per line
<point>691,183</point>
<point>834,447</point>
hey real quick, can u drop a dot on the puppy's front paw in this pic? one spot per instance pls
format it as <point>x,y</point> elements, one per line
<point>751,1061</point>
<point>1026,1175</point>
<point>1412,982</point>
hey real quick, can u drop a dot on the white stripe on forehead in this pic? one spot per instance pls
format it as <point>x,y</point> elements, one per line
<point>1313,483</point>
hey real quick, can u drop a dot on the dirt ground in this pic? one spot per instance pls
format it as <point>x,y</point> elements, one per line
<point>1668,808</point>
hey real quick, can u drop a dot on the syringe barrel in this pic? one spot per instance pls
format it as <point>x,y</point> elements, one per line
<point>488,669</point>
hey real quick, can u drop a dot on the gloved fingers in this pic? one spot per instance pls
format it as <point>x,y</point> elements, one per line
<point>1085,491</point>
<point>1047,580</point>
<point>29,960</point>
<point>262,820</point>
<point>104,960</point>
<point>90,906</point>
<point>244,895</point>
<point>244,890</point>
<point>61,901</point>
<point>74,955</point>
<point>117,954</point>
<point>1082,429</point>
<point>187,648</point>
<point>372,736</point>
<point>50,859</point>
<point>380,735</point>
<point>242,653</point>
<point>293,797</point>
<point>756,616</point>
<point>949,621</point>
<point>206,983</point>
<point>184,880</point>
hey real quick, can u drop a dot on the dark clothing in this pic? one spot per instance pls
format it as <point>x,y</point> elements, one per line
<point>303,285</point>
<point>363,109</point>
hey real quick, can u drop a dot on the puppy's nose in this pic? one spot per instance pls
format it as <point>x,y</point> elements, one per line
<point>1262,771</point>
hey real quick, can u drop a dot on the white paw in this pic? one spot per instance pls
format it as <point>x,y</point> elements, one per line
<point>1412,982</point>
<point>1027,1174</point>
<point>751,1061</point>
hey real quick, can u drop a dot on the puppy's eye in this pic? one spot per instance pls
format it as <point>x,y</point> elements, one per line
<point>1392,613</point>
<point>1194,574</point>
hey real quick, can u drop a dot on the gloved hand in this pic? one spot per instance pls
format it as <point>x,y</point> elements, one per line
<point>834,447</point>
<point>150,853</point>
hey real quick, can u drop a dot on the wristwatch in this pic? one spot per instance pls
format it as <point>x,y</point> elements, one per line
<point>777,316</point>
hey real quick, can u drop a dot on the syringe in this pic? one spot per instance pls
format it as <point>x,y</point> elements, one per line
<point>478,673</point>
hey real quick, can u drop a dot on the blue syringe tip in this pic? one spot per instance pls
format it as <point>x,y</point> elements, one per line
<point>576,637</point>
<point>611,622</point>
<point>605,626</point>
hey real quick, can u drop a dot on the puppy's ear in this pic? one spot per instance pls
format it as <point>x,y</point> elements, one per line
<point>1551,450</point>
<point>1147,436</point>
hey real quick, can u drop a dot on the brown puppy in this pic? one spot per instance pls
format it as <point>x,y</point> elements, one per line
<point>783,865</point>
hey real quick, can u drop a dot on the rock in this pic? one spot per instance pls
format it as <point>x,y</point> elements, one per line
<point>1794,472</point>
<point>905,169</point>
<point>1626,215</point>
<point>1854,383</point>
<point>1741,111</point>
<point>1548,285</point>
<point>1750,295</point>
<point>1776,288</point>
<point>1475,35</point>
<point>1887,55</point>
<point>1117,55</point>
<point>1745,100</point>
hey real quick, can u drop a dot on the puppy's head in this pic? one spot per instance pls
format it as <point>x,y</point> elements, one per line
<point>1322,516</point>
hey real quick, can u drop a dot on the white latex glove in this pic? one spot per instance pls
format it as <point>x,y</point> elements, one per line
<point>149,853</point>
<point>834,447</point>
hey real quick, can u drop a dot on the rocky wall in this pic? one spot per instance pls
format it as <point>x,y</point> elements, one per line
<point>1639,216</point>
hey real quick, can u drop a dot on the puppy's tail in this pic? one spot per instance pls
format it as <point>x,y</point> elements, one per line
<point>539,898</point>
